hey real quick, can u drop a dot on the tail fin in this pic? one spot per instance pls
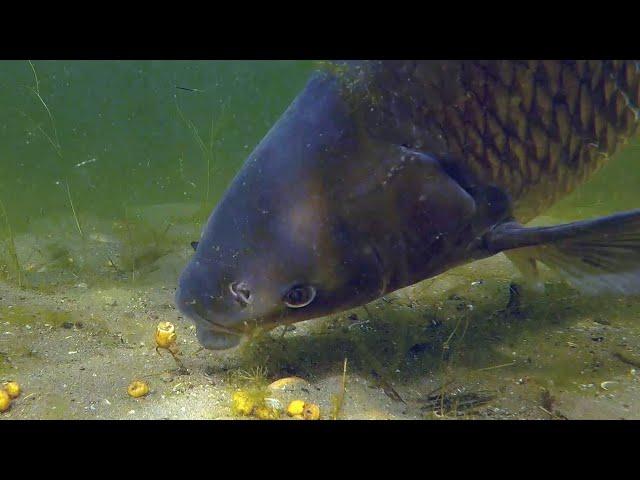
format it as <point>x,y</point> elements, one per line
<point>596,256</point>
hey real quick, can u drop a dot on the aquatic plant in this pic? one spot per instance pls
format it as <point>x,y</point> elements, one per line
<point>251,393</point>
<point>140,246</point>
<point>13,262</point>
<point>207,150</point>
<point>52,139</point>
<point>254,376</point>
<point>73,211</point>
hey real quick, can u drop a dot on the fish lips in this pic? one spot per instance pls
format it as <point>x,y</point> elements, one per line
<point>214,336</point>
<point>211,335</point>
<point>215,339</point>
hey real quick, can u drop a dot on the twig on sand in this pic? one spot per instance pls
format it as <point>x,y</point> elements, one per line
<point>181,368</point>
<point>556,415</point>
<point>338,399</point>
<point>387,388</point>
<point>546,411</point>
<point>497,366</point>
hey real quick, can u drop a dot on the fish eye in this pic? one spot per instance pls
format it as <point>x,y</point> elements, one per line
<point>300,296</point>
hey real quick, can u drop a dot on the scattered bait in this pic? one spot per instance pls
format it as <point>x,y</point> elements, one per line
<point>13,389</point>
<point>5,401</point>
<point>311,411</point>
<point>302,410</point>
<point>295,408</point>
<point>138,389</point>
<point>165,335</point>
<point>266,413</point>
<point>166,338</point>
<point>242,404</point>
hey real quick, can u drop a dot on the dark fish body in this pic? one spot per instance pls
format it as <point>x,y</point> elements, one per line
<point>535,128</point>
<point>384,173</point>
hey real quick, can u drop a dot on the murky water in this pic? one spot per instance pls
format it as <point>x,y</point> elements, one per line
<point>108,171</point>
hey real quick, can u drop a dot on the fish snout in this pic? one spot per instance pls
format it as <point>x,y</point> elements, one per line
<point>211,332</point>
<point>214,306</point>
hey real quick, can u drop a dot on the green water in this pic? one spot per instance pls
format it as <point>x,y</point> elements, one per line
<point>119,133</point>
<point>107,172</point>
<point>113,130</point>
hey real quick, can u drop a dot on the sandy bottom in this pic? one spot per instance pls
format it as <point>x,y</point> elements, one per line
<point>444,349</point>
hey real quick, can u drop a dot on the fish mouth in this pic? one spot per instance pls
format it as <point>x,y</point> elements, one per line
<point>218,328</point>
<point>213,335</point>
<point>216,340</point>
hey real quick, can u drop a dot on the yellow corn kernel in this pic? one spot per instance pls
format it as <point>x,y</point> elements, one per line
<point>5,401</point>
<point>311,411</point>
<point>138,389</point>
<point>266,413</point>
<point>13,389</point>
<point>295,408</point>
<point>242,404</point>
<point>165,335</point>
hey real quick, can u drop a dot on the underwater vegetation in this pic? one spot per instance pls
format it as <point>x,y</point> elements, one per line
<point>9,263</point>
<point>88,268</point>
<point>75,246</point>
<point>51,258</point>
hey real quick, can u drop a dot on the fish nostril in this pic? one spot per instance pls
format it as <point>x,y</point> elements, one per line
<point>240,292</point>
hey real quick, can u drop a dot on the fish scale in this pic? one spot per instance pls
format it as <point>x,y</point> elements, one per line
<point>537,129</point>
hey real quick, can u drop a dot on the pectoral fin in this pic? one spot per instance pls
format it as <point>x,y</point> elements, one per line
<point>596,256</point>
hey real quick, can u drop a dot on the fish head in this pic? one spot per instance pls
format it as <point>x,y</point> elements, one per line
<point>278,248</point>
<point>325,215</point>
